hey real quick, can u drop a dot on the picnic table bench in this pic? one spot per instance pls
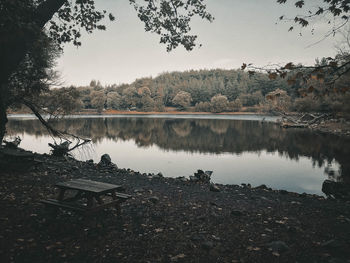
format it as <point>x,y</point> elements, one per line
<point>93,193</point>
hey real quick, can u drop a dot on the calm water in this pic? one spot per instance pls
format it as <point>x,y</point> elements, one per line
<point>239,149</point>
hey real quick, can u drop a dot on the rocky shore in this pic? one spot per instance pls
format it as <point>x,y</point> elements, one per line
<point>166,220</point>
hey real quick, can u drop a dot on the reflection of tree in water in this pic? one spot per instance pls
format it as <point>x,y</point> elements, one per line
<point>206,136</point>
<point>219,127</point>
<point>182,129</point>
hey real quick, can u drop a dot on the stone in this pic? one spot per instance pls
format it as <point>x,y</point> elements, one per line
<point>263,186</point>
<point>177,257</point>
<point>207,245</point>
<point>336,260</point>
<point>333,243</point>
<point>194,179</point>
<point>236,213</point>
<point>278,246</point>
<point>338,190</point>
<point>154,199</point>
<point>182,179</point>
<point>106,159</point>
<point>201,176</point>
<point>158,175</point>
<point>214,188</point>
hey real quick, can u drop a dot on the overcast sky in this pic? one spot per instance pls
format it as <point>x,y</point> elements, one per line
<point>243,31</point>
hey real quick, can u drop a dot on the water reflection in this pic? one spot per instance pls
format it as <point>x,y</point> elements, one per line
<point>208,136</point>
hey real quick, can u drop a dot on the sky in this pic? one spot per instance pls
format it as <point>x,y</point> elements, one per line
<point>244,31</point>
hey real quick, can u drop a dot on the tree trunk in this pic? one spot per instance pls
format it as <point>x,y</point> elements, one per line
<point>3,119</point>
<point>14,47</point>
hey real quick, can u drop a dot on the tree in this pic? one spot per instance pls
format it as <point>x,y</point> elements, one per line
<point>331,13</point>
<point>219,103</point>
<point>182,99</point>
<point>61,101</point>
<point>32,76</point>
<point>336,13</point>
<point>203,106</point>
<point>279,100</point>
<point>130,97</point>
<point>114,100</point>
<point>22,23</point>
<point>251,99</point>
<point>235,105</point>
<point>98,100</point>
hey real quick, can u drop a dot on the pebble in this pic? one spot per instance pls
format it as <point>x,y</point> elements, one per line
<point>278,246</point>
<point>154,199</point>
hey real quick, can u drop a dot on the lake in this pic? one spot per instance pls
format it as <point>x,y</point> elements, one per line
<point>238,148</point>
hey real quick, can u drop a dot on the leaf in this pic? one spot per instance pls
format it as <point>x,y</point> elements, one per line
<point>289,66</point>
<point>343,90</point>
<point>273,75</point>
<point>333,64</point>
<point>251,73</point>
<point>283,75</point>
<point>111,17</point>
<point>291,81</point>
<point>299,75</point>
<point>300,3</point>
<point>319,11</point>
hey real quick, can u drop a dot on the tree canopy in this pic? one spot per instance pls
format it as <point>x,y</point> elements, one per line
<point>332,70</point>
<point>24,22</point>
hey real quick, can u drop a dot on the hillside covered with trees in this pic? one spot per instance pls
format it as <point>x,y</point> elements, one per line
<point>203,91</point>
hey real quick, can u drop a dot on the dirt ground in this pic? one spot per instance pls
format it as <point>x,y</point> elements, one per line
<point>166,220</point>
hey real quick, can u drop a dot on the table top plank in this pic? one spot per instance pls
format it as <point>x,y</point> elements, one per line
<point>88,186</point>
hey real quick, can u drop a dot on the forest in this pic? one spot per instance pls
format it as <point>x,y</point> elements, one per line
<point>216,91</point>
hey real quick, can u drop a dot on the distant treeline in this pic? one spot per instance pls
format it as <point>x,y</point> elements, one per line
<point>203,90</point>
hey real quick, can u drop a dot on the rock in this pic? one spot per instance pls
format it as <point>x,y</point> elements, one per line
<point>194,179</point>
<point>283,192</point>
<point>158,175</point>
<point>207,245</point>
<point>154,199</point>
<point>214,188</point>
<point>261,187</point>
<point>201,176</point>
<point>90,161</point>
<point>196,237</point>
<point>237,213</point>
<point>177,257</point>
<point>338,190</point>
<point>278,246</point>
<point>182,179</point>
<point>106,159</point>
<point>333,243</point>
<point>13,144</point>
<point>336,260</point>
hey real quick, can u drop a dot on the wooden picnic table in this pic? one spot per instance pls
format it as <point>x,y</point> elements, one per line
<point>93,192</point>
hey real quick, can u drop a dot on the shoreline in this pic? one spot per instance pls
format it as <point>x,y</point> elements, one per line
<point>167,220</point>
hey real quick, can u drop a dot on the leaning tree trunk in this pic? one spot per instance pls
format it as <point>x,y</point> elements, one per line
<point>3,119</point>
